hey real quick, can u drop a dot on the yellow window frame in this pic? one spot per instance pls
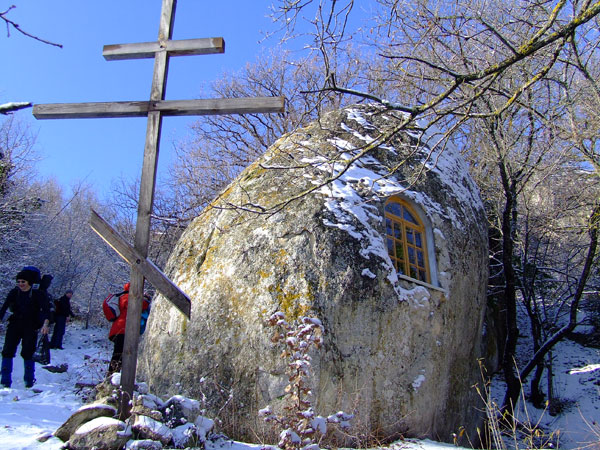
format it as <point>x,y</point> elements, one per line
<point>406,240</point>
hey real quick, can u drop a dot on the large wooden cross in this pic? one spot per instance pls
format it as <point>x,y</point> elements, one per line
<point>154,109</point>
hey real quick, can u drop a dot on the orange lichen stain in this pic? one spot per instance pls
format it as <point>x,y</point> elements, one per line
<point>290,301</point>
<point>281,257</point>
<point>253,171</point>
<point>208,260</point>
<point>263,274</point>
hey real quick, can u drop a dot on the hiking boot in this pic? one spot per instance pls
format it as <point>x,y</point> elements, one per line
<point>29,377</point>
<point>7,367</point>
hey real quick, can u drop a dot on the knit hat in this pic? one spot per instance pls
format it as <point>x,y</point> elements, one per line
<point>28,273</point>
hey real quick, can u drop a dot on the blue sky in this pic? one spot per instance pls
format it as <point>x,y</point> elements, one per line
<point>101,150</point>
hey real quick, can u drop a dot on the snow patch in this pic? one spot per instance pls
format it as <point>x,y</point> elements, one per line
<point>586,369</point>
<point>416,384</point>
<point>368,273</point>
<point>359,117</point>
<point>99,423</point>
<point>420,296</point>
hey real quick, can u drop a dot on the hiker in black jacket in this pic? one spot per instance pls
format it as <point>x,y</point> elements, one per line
<point>62,312</point>
<point>29,310</point>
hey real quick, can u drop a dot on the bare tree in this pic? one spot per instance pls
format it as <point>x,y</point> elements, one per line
<point>449,53</point>
<point>11,25</point>
<point>221,147</point>
<point>18,203</point>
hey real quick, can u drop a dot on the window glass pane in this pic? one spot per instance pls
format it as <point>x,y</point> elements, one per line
<point>409,217</point>
<point>409,236</point>
<point>397,230</point>
<point>413,272</point>
<point>390,246</point>
<point>411,255</point>
<point>394,208</point>
<point>422,276</point>
<point>399,250</point>
<point>420,259</point>
<point>400,268</point>
<point>388,227</point>
<point>418,242</point>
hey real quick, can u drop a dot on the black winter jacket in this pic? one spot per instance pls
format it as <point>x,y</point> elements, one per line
<point>63,306</point>
<point>29,309</point>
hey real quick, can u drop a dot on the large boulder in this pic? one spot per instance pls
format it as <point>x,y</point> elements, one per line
<point>302,231</point>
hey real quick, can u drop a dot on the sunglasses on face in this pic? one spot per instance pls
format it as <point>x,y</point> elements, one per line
<point>21,282</point>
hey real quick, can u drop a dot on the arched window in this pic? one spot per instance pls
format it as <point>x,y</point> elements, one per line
<point>406,240</point>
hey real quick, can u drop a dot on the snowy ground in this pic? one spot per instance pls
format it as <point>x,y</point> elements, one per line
<point>27,414</point>
<point>577,386</point>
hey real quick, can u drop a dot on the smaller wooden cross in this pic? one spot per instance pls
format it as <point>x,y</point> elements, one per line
<point>154,109</point>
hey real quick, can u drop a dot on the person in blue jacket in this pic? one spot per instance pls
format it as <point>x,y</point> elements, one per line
<point>29,312</point>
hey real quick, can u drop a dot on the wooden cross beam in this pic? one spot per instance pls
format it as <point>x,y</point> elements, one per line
<point>203,107</point>
<point>152,273</point>
<point>154,109</point>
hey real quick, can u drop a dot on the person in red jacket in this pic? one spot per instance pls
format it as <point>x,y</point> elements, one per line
<point>117,330</point>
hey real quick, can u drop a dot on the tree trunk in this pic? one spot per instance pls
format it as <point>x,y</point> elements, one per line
<point>513,384</point>
<point>537,396</point>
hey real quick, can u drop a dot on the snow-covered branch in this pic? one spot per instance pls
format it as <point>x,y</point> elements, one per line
<point>10,107</point>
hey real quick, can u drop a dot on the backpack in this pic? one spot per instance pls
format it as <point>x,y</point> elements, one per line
<point>110,307</point>
<point>44,285</point>
<point>144,319</point>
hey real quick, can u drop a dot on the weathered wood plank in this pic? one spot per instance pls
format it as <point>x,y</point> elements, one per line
<point>221,106</point>
<point>152,273</point>
<point>183,47</point>
<point>90,110</point>
<point>201,107</point>
<point>142,230</point>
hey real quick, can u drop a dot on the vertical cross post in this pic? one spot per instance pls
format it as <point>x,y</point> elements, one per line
<point>154,109</point>
<point>146,200</point>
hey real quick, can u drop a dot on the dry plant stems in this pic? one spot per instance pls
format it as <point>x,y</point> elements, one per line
<point>595,429</point>
<point>502,432</point>
<point>301,427</point>
<point>222,406</point>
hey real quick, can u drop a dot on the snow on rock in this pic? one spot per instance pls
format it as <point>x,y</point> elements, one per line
<point>148,428</point>
<point>203,427</point>
<point>368,273</point>
<point>100,423</point>
<point>84,415</point>
<point>102,432</point>
<point>182,408</point>
<point>143,444</point>
<point>418,382</point>
<point>185,436</point>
